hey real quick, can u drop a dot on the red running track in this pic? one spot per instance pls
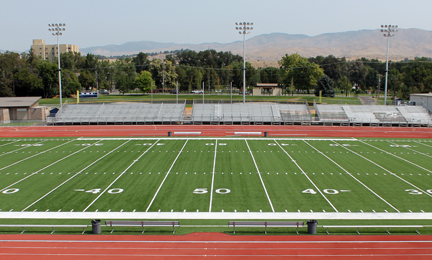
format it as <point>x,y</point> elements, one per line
<point>215,246</point>
<point>215,130</point>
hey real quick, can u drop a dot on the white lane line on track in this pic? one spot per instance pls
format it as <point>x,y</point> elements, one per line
<point>213,177</point>
<point>36,155</point>
<point>109,186</point>
<point>393,174</point>
<point>259,174</point>
<point>46,167</point>
<point>353,177</point>
<point>72,177</point>
<point>166,175</point>
<point>304,173</point>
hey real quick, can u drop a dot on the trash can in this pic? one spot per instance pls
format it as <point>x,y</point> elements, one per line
<point>169,133</point>
<point>312,226</point>
<point>265,134</point>
<point>96,226</point>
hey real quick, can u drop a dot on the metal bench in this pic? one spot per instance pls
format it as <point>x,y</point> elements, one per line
<point>265,224</point>
<point>143,224</point>
<point>374,226</point>
<point>43,226</point>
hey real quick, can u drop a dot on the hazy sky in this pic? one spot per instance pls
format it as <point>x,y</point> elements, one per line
<point>103,22</point>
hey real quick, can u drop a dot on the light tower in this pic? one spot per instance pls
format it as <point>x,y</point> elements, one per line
<point>244,29</point>
<point>57,30</point>
<point>388,31</point>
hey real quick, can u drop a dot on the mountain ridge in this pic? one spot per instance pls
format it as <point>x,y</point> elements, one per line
<point>407,43</point>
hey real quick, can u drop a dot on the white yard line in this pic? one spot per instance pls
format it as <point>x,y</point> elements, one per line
<point>213,177</point>
<point>304,173</point>
<point>166,175</point>
<point>412,150</point>
<point>9,143</point>
<point>364,185</point>
<point>422,144</point>
<point>259,174</point>
<point>35,155</point>
<point>397,157</point>
<point>19,149</point>
<point>213,138</point>
<point>402,179</point>
<point>47,167</point>
<point>73,176</point>
<point>109,186</point>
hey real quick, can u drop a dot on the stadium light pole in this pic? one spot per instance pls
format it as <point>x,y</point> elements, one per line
<point>57,30</point>
<point>244,29</point>
<point>388,31</point>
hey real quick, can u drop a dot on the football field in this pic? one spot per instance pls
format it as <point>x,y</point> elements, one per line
<point>215,175</point>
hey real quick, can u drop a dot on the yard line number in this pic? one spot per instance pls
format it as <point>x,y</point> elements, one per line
<point>96,191</point>
<point>326,191</point>
<point>204,191</point>
<point>417,192</point>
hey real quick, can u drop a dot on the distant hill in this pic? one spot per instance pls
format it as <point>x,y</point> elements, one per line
<point>407,43</point>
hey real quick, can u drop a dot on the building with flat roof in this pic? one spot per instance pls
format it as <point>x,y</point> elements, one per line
<point>22,108</point>
<point>419,98</point>
<point>50,52</point>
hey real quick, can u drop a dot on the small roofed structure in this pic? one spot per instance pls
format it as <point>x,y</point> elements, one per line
<point>22,108</point>
<point>272,89</point>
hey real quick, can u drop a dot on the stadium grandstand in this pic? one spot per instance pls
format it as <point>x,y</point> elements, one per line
<point>373,115</point>
<point>249,113</point>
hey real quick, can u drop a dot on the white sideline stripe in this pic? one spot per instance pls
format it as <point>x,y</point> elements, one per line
<point>213,177</point>
<point>397,157</point>
<point>427,155</point>
<point>215,215</point>
<point>109,186</point>
<point>259,174</point>
<point>10,143</point>
<point>427,193</point>
<point>36,155</point>
<point>304,173</point>
<point>364,185</point>
<point>20,149</point>
<point>166,175</point>
<point>47,167</point>
<point>72,177</point>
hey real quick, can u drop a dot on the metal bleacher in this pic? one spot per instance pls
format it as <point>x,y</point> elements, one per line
<point>373,115</point>
<point>227,113</point>
<point>249,113</point>
<point>120,113</point>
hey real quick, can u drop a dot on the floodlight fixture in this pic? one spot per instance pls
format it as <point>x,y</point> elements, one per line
<point>244,29</point>
<point>388,30</point>
<point>57,31</point>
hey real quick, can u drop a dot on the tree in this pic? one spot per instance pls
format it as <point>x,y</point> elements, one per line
<point>48,73</point>
<point>141,62</point>
<point>325,86</point>
<point>86,80</point>
<point>144,81</point>
<point>304,73</point>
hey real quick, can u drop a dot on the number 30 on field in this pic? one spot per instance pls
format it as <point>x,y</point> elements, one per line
<point>204,191</point>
